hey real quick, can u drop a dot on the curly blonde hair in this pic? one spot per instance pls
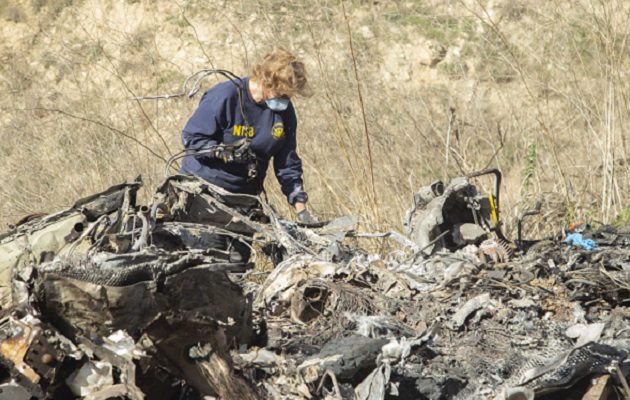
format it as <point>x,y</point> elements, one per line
<point>282,73</point>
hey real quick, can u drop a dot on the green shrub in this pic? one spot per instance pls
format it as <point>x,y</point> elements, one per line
<point>623,218</point>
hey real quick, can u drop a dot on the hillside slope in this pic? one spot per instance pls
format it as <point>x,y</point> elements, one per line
<point>405,93</point>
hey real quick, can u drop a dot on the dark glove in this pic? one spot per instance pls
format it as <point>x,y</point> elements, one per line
<point>227,155</point>
<point>238,152</point>
<point>306,219</point>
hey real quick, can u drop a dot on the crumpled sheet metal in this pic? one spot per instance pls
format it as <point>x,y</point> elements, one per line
<point>347,358</point>
<point>331,323</point>
<point>384,281</point>
<point>569,367</point>
<point>34,352</point>
<point>443,267</point>
<point>19,252</point>
<point>84,269</point>
<point>500,324</point>
<point>375,386</point>
<point>189,199</point>
<point>541,358</point>
<point>44,238</point>
<point>91,308</point>
<point>424,219</point>
<point>500,338</point>
<point>471,306</point>
<point>12,250</point>
<point>90,378</point>
<point>278,289</point>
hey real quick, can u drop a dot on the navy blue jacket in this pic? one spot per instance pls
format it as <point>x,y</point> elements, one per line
<point>218,119</point>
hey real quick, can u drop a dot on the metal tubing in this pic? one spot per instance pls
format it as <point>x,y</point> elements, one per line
<point>143,214</point>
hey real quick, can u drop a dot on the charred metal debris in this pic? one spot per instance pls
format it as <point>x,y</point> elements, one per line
<point>110,299</point>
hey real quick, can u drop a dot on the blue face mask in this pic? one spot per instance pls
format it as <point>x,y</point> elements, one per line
<point>277,104</point>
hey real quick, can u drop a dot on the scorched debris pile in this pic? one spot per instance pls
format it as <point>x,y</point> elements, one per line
<point>111,299</point>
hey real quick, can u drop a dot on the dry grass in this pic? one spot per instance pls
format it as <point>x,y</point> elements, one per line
<point>406,93</point>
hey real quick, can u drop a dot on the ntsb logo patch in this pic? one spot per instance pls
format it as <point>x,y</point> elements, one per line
<point>277,131</point>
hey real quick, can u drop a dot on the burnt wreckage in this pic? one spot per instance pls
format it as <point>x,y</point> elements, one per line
<point>111,299</point>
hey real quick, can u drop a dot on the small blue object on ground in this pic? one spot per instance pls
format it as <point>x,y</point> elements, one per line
<point>575,239</point>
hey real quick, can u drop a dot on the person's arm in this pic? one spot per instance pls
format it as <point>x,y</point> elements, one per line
<point>288,167</point>
<point>204,127</point>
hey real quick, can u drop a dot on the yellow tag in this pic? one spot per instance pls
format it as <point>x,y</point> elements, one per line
<point>493,210</point>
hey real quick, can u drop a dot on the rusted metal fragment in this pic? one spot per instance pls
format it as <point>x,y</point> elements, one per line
<point>27,218</point>
<point>17,338</point>
<point>496,250</point>
<point>37,356</point>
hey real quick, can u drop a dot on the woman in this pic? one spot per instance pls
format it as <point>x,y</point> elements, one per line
<point>255,114</point>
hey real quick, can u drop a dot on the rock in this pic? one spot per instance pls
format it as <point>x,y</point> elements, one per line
<point>468,234</point>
